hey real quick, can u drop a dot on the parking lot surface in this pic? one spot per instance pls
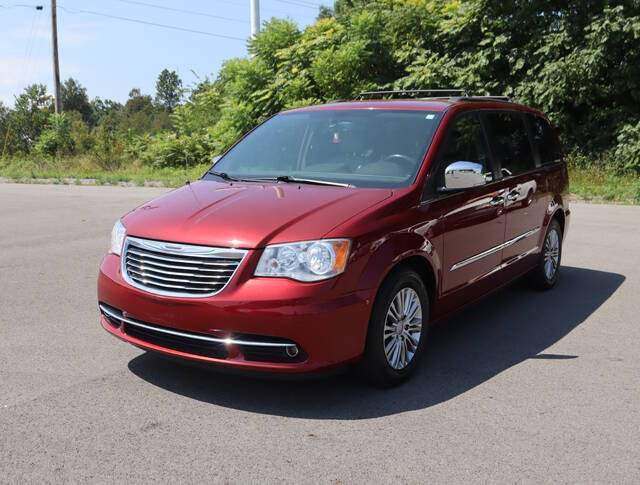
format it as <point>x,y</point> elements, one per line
<point>523,387</point>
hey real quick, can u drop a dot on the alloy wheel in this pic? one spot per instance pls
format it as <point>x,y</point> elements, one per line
<point>402,328</point>
<point>551,254</point>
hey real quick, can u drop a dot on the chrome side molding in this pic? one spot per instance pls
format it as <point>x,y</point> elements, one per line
<point>494,249</point>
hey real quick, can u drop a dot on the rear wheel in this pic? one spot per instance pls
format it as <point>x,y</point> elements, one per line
<point>397,330</point>
<point>546,273</point>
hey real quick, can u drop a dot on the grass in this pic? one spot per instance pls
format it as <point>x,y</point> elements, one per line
<point>82,170</point>
<point>600,184</point>
<point>595,183</point>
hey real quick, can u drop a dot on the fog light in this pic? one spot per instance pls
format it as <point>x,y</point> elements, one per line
<point>292,351</point>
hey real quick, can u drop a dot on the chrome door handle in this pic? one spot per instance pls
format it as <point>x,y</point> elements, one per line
<point>513,195</point>
<point>497,201</point>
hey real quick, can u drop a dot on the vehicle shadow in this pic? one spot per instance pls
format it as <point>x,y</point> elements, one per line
<point>497,333</point>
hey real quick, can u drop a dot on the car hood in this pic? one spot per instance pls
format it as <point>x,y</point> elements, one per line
<point>248,215</point>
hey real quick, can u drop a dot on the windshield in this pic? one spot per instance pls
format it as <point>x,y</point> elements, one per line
<point>363,148</point>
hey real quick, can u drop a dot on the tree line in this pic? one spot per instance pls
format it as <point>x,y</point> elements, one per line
<point>577,60</point>
<point>100,128</point>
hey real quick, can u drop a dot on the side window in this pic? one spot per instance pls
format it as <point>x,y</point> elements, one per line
<point>544,140</point>
<point>464,143</point>
<point>509,142</point>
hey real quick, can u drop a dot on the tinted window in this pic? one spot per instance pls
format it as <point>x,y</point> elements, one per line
<point>545,140</point>
<point>509,142</point>
<point>367,148</point>
<point>464,143</point>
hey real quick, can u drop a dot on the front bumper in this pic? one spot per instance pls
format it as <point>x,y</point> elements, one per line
<point>327,326</point>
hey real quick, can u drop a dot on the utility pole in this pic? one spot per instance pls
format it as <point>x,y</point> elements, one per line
<point>56,66</point>
<point>255,17</point>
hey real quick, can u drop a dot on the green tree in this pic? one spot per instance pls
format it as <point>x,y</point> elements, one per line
<point>277,34</point>
<point>344,7</point>
<point>579,61</point>
<point>102,108</point>
<point>29,117</point>
<point>74,98</point>
<point>138,103</point>
<point>324,12</point>
<point>168,90</point>
<point>203,85</point>
<point>4,126</point>
<point>140,115</point>
<point>4,112</point>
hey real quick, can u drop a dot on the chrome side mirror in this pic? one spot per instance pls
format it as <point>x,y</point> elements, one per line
<point>463,175</point>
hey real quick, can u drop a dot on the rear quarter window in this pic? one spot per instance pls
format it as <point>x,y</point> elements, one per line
<point>544,140</point>
<point>509,141</point>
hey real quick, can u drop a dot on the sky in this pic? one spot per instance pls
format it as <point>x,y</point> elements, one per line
<point>110,56</point>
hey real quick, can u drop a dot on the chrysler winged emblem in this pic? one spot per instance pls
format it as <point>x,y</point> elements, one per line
<point>173,247</point>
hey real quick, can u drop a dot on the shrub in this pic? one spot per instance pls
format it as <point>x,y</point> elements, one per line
<point>83,139</point>
<point>171,150</point>
<point>628,148</point>
<point>56,138</point>
<point>109,150</point>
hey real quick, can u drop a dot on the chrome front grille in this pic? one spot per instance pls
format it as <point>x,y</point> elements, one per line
<point>178,269</point>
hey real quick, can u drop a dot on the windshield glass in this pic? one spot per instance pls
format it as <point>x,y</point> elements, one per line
<point>364,148</point>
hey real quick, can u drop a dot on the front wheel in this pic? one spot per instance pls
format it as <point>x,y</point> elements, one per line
<point>545,274</point>
<point>397,330</point>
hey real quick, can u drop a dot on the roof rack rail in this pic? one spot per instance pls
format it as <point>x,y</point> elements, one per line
<point>489,98</point>
<point>414,93</point>
<point>428,94</point>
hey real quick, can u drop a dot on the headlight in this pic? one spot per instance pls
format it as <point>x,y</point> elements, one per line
<point>117,238</point>
<point>305,261</point>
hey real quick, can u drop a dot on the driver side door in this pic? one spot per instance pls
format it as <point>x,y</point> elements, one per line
<point>473,218</point>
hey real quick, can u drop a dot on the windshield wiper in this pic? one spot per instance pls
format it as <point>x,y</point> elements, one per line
<point>224,176</point>
<point>280,178</point>
<point>294,180</point>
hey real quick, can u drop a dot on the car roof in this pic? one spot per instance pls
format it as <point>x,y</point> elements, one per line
<point>431,104</point>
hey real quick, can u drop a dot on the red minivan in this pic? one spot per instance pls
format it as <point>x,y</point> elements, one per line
<point>340,234</point>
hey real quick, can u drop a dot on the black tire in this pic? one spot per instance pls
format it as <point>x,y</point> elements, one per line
<point>375,366</point>
<point>540,275</point>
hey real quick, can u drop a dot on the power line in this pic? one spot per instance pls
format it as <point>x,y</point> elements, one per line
<point>37,48</point>
<point>27,53</point>
<point>297,4</point>
<point>26,74</point>
<point>23,5</point>
<point>27,62</point>
<point>26,69</point>
<point>205,14</point>
<point>189,12</point>
<point>271,12</point>
<point>153,24</point>
<point>165,26</point>
<point>232,2</point>
<point>311,4</point>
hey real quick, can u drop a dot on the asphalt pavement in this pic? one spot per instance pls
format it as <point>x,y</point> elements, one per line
<point>524,387</point>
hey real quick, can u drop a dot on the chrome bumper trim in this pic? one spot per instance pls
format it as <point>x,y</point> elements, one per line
<point>226,341</point>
